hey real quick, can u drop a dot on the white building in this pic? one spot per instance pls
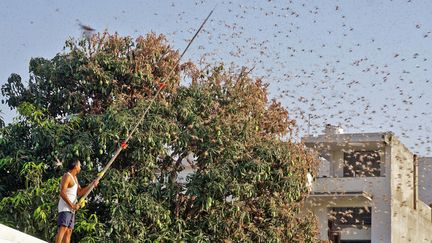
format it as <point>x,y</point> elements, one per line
<point>367,189</point>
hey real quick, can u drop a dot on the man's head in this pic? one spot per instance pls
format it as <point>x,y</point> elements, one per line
<point>74,164</point>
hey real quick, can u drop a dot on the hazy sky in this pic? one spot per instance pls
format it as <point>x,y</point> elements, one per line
<point>363,64</point>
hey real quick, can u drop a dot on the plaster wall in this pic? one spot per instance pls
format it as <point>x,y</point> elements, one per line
<point>377,187</point>
<point>410,217</point>
<point>380,219</point>
<point>8,234</point>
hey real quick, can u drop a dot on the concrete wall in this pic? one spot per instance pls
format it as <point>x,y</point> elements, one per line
<point>377,187</point>
<point>402,192</point>
<point>410,217</point>
<point>8,234</point>
<point>424,222</point>
<point>332,148</point>
<point>321,208</point>
<point>324,167</point>
<point>409,225</point>
<point>398,212</point>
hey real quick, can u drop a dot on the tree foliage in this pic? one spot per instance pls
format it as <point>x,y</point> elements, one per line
<point>247,184</point>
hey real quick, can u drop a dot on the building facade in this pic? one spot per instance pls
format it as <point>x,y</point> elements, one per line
<point>369,188</point>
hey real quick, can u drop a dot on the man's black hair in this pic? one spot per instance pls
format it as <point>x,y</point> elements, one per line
<point>72,163</point>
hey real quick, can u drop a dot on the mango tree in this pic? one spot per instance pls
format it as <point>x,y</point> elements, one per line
<point>246,174</point>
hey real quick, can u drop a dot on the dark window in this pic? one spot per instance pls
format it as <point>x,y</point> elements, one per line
<point>351,217</point>
<point>362,163</point>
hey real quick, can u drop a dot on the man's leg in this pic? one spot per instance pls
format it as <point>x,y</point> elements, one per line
<point>68,234</point>
<point>60,234</point>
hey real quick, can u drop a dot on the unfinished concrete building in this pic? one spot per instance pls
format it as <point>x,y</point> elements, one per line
<point>370,188</point>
